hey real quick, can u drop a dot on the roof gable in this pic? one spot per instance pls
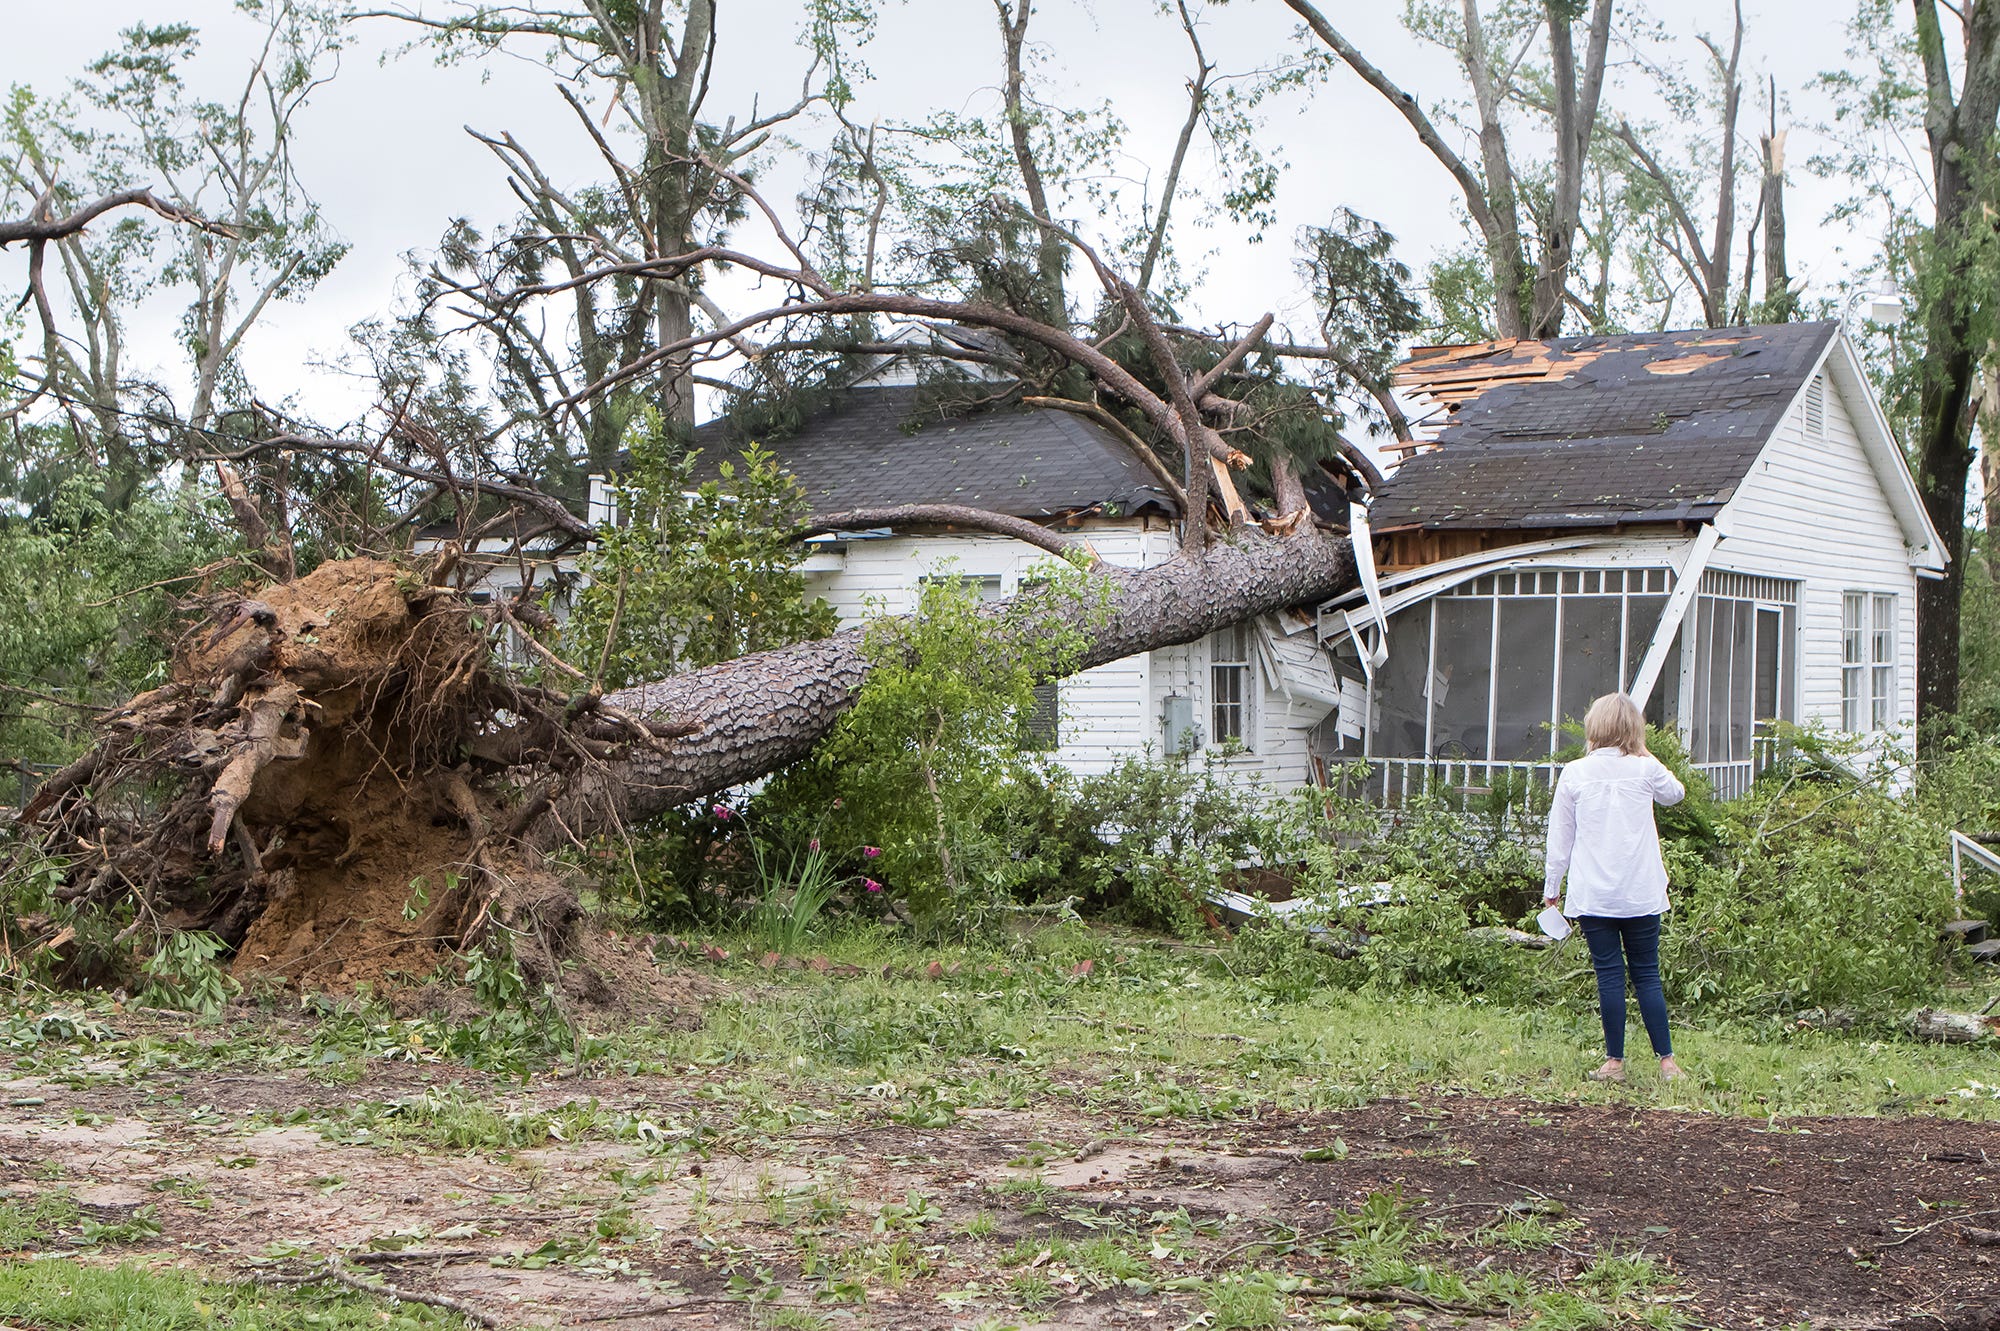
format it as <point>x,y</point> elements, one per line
<point>1596,431</point>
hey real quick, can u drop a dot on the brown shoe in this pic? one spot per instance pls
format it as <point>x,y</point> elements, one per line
<point>1613,1071</point>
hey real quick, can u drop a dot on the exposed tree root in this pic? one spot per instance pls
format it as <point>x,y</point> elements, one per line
<point>335,781</point>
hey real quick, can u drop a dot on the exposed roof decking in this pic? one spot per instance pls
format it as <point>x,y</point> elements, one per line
<point>1596,431</point>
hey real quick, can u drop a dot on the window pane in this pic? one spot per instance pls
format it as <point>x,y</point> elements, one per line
<point>1589,653</point>
<point>1699,749</point>
<point>1461,684</point>
<point>1884,636</point>
<point>1226,685</point>
<point>1850,697</point>
<point>1769,652</point>
<point>1524,681</point>
<point>1642,617</point>
<point>1742,679</point>
<point>1397,717</point>
<point>1880,698</point>
<point>1039,723</point>
<point>1850,628</point>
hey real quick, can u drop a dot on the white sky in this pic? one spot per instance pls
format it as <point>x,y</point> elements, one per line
<point>384,149</point>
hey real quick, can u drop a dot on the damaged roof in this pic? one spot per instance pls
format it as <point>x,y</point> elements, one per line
<point>880,446</point>
<point>1596,431</point>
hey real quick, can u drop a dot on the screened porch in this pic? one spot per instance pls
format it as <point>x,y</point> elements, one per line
<point>1486,682</point>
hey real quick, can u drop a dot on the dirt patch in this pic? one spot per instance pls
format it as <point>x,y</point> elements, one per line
<point>1834,1221</point>
<point>669,1203</point>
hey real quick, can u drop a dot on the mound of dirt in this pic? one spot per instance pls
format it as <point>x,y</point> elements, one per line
<point>330,783</point>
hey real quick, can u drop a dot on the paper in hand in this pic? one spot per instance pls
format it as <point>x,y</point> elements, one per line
<point>1552,922</point>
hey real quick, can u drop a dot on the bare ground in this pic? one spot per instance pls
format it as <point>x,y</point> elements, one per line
<point>701,1218</point>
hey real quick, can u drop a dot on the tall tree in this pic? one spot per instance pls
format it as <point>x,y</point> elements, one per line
<point>1530,296</point>
<point>1959,123</point>
<point>636,77</point>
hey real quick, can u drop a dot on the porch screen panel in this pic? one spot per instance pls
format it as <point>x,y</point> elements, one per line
<point>1590,642</point>
<point>1704,738</point>
<point>1397,719</point>
<point>1642,619</point>
<point>1461,679</point>
<point>1770,662</point>
<point>1663,709</point>
<point>1742,678</point>
<point>1524,678</point>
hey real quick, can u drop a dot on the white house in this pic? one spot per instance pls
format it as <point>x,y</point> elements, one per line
<point>1719,521</point>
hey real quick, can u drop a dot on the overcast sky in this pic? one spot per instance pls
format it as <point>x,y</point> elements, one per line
<point>384,147</point>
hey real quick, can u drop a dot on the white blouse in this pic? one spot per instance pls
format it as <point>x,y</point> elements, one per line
<point>1601,834</point>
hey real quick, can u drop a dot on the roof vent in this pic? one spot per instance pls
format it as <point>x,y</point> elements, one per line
<point>1816,408</point>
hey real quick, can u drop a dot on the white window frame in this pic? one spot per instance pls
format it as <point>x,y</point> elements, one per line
<point>1868,661</point>
<point>1243,669</point>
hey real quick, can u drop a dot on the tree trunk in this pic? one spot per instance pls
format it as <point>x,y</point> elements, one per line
<point>1779,304</point>
<point>762,712</point>
<point>1960,135</point>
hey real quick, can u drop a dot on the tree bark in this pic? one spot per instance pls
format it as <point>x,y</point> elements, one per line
<point>1778,299</point>
<point>1960,134</point>
<point>757,714</point>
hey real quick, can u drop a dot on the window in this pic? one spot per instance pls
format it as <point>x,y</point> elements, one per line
<point>1882,663</point>
<point>1867,660</point>
<point>1039,723</point>
<point>1229,685</point>
<point>986,588</point>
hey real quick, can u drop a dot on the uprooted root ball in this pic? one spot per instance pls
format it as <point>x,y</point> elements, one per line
<point>333,782</point>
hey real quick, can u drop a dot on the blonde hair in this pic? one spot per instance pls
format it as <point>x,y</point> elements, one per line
<point>1614,722</point>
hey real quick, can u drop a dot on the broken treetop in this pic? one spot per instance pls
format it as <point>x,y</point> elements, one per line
<point>877,447</point>
<point>1596,431</point>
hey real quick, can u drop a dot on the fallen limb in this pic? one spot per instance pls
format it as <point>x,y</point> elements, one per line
<point>1402,1296</point>
<point>330,1270</point>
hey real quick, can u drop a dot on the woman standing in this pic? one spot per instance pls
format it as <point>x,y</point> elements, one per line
<point>1601,835</point>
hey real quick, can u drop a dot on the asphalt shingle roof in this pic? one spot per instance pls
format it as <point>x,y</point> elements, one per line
<point>1643,427</point>
<point>878,446</point>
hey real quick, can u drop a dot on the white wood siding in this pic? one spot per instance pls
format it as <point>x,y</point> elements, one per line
<point>1104,713</point>
<point>1813,509</point>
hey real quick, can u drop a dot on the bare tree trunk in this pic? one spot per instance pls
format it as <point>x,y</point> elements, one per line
<point>1779,303</point>
<point>762,712</point>
<point>1960,135</point>
<point>1577,97</point>
<point>1052,257</point>
<point>1715,298</point>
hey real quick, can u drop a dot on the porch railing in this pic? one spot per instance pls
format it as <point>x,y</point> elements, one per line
<point>1396,781</point>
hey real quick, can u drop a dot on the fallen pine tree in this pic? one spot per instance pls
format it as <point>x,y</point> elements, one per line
<point>339,780</point>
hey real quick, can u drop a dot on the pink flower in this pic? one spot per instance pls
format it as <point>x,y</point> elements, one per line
<point>872,852</point>
<point>837,801</point>
<point>721,811</point>
<point>871,885</point>
<point>813,845</point>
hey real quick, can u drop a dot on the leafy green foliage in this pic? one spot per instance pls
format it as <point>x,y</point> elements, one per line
<point>83,609</point>
<point>933,739</point>
<point>693,573</point>
<point>183,974</point>
<point>76,1297</point>
<point>793,890</point>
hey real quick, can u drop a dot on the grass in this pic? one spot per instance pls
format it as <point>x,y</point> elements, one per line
<point>61,1296</point>
<point>1175,1034</point>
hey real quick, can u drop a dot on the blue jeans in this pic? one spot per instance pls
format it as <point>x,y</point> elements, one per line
<point>1614,945</point>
